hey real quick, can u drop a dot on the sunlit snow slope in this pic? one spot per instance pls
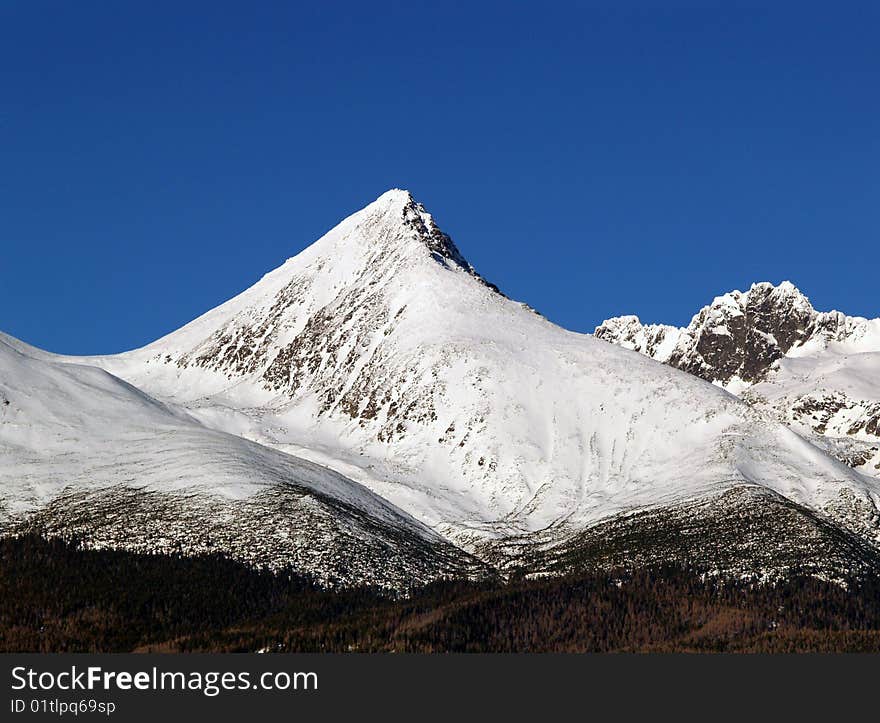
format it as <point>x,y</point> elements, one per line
<point>84,453</point>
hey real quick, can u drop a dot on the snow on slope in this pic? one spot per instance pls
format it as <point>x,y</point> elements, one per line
<point>379,351</point>
<point>86,453</point>
<point>817,371</point>
<point>832,395</point>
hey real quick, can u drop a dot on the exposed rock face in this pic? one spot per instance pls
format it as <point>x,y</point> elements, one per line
<point>738,336</point>
<point>657,341</point>
<point>742,336</point>
<point>817,371</point>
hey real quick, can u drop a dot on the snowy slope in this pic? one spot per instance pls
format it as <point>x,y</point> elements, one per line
<point>817,371</point>
<point>82,452</point>
<point>832,395</point>
<point>380,352</point>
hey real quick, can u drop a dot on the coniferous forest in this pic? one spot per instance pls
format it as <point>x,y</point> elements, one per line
<point>57,597</point>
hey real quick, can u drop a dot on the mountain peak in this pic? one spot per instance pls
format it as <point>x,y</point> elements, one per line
<point>353,283</point>
<point>784,293</point>
<point>392,199</point>
<point>395,196</point>
<point>400,216</point>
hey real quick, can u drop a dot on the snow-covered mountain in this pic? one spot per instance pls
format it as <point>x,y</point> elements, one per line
<point>381,353</point>
<point>87,455</point>
<point>817,371</point>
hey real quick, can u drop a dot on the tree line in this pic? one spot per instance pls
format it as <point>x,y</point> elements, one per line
<point>56,596</point>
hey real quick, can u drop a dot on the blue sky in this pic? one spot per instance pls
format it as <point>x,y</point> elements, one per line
<point>157,159</point>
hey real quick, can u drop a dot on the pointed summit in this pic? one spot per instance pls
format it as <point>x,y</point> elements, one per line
<point>341,297</point>
<point>398,224</point>
<point>396,196</point>
<point>408,220</point>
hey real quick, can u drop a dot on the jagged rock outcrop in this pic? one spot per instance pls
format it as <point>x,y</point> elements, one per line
<point>736,339</point>
<point>818,371</point>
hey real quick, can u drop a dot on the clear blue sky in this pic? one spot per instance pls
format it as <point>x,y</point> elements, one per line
<point>158,157</point>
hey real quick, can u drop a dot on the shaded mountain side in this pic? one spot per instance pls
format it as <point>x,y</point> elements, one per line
<point>323,539</point>
<point>746,532</point>
<point>743,532</point>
